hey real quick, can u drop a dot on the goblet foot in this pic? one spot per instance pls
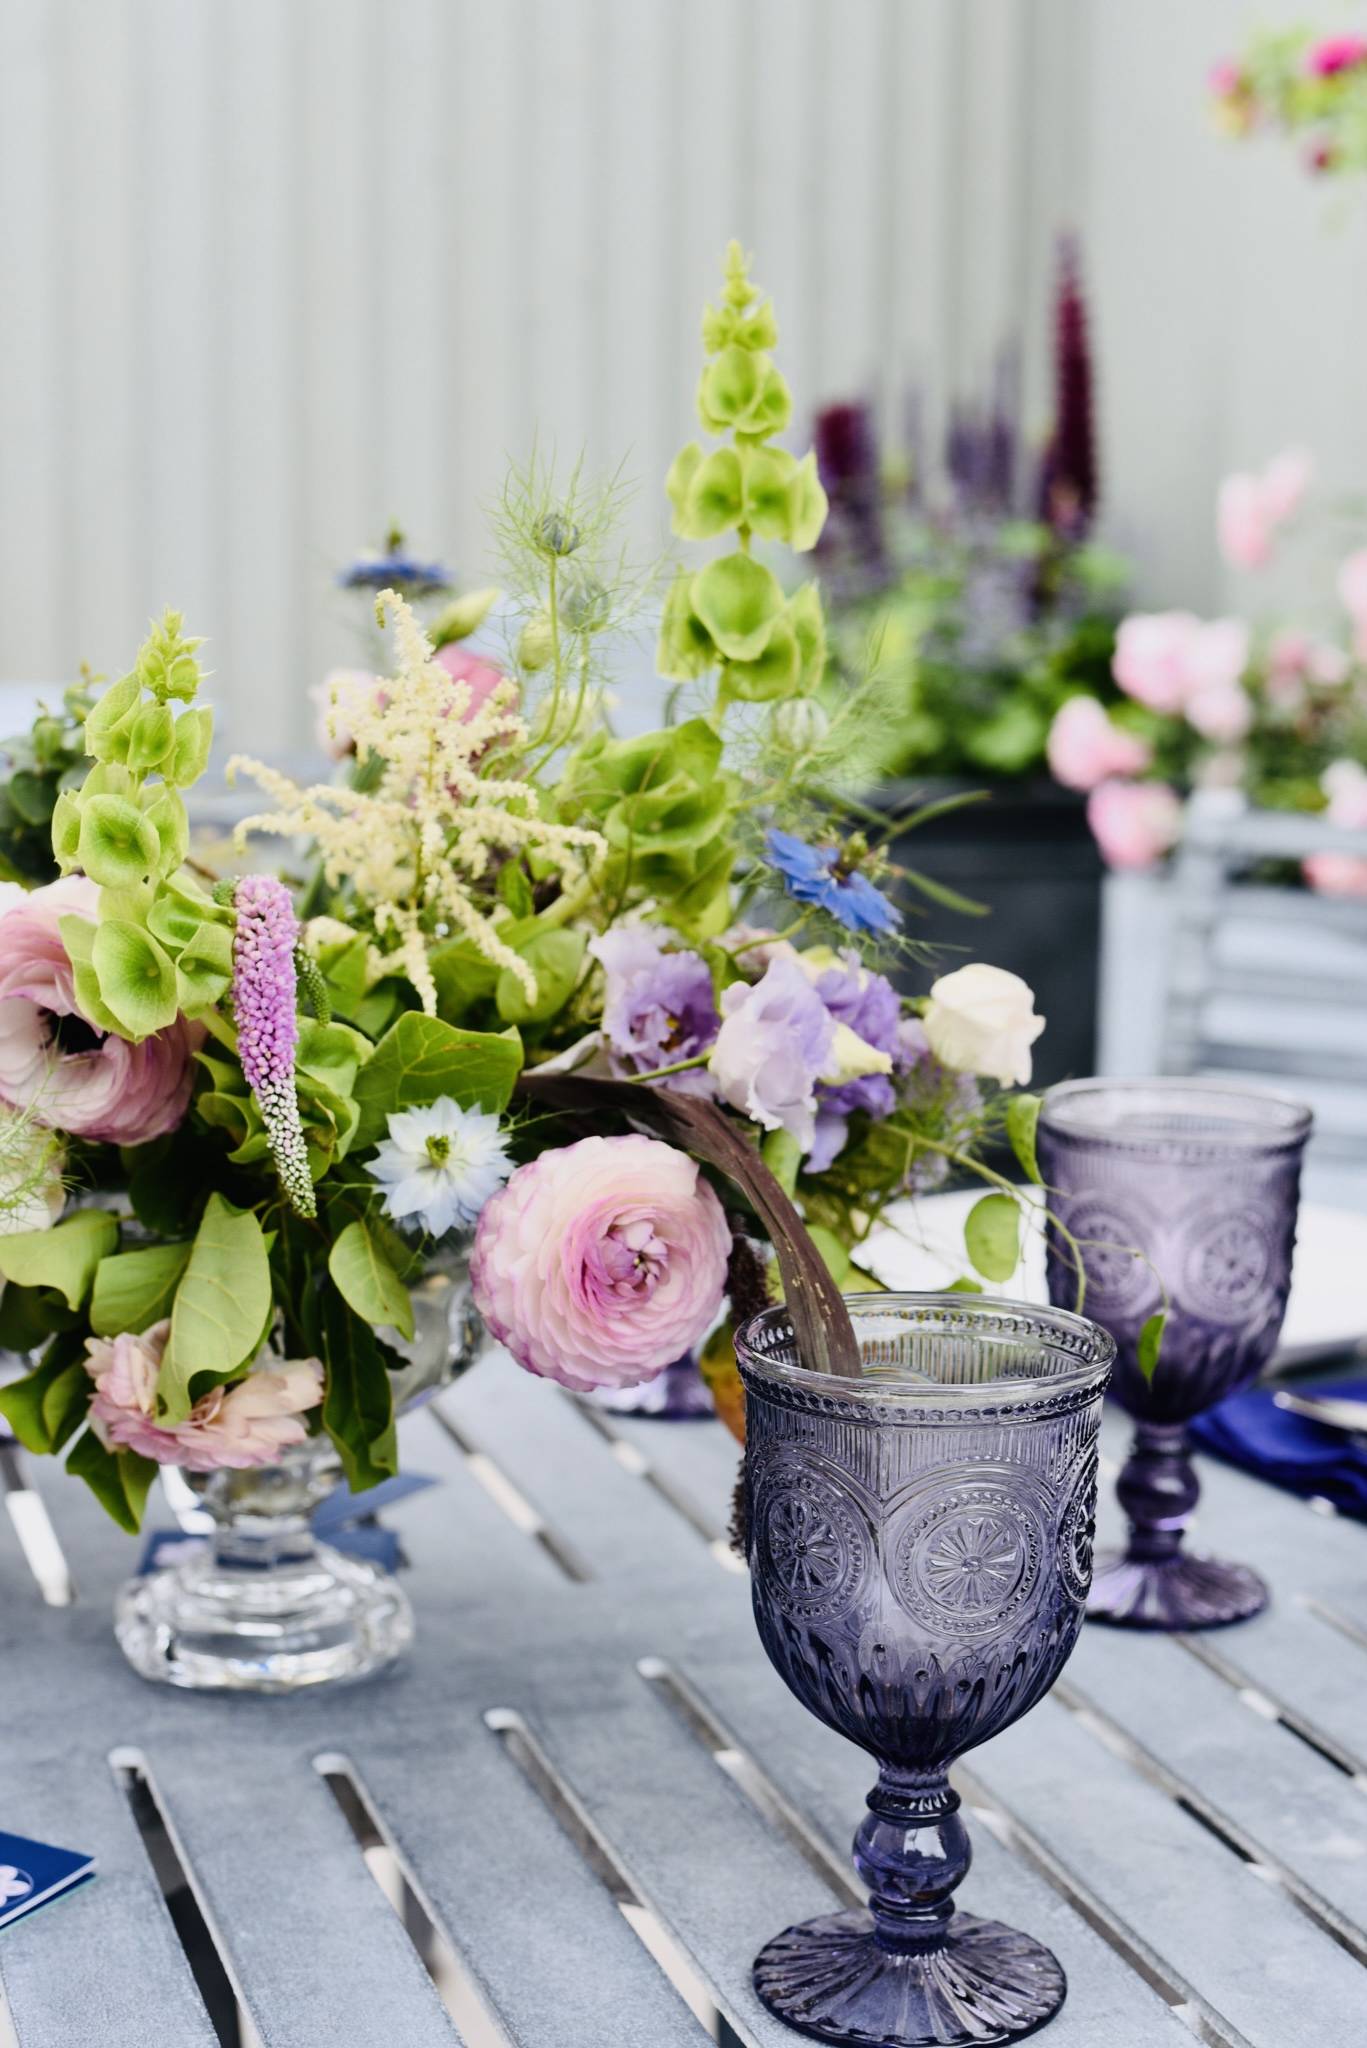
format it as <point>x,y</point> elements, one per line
<point>985,1983</point>
<point>320,1619</point>
<point>1178,1592</point>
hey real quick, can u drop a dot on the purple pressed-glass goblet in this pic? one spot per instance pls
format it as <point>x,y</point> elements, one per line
<point>1204,1180</point>
<point>920,1547</point>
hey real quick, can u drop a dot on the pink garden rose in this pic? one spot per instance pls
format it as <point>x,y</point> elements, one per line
<point>1252,506</point>
<point>1134,823</point>
<point>600,1264</point>
<point>1085,746</point>
<point>1151,655</point>
<point>1342,874</point>
<point>248,1423</point>
<point>1334,54</point>
<point>74,1076</point>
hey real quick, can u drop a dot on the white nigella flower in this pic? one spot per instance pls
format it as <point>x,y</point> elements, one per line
<point>439,1165</point>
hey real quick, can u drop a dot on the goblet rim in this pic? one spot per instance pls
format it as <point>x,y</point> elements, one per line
<point>1082,1356</point>
<point>1271,1123</point>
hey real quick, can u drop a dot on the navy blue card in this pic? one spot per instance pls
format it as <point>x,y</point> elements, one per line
<point>31,1873</point>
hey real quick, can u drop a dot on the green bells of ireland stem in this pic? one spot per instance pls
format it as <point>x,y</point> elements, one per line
<point>732,615</point>
<point>162,947</point>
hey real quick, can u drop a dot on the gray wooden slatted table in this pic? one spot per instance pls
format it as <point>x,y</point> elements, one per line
<point>586,1786</point>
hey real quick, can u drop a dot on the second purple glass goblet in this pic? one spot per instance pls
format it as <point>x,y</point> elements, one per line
<point>1204,1181</point>
<point>920,1545</point>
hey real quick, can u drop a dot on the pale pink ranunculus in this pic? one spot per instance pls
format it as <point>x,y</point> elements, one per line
<point>248,1423</point>
<point>73,1076</point>
<point>1152,656</point>
<point>1222,712</point>
<point>1134,823</point>
<point>1086,747</point>
<point>1253,505</point>
<point>1335,53</point>
<point>1217,655</point>
<point>602,1263</point>
<point>481,677</point>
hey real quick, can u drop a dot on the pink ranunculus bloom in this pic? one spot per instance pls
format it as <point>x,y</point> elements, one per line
<point>1086,747</point>
<point>1134,823</point>
<point>602,1263</point>
<point>248,1423</point>
<point>1334,54</point>
<point>1222,712</point>
<point>482,677</point>
<point>1152,657</point>
<point>1217,655</point>
<point>73,1076</point>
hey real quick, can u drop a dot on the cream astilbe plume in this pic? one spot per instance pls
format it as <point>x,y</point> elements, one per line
<point>413,847</point>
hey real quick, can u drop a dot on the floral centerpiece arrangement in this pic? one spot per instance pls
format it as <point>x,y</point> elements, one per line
<point>1303,84</point>
<point>988,604</point>
<point>619,1004</point>
<point>1277,711</point>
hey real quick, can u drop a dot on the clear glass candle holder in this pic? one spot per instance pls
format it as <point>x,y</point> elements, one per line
<point>1203,1180</point>
<point>920,1543</point>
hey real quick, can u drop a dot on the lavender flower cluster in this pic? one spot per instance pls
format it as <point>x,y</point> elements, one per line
<point>264,1002</point>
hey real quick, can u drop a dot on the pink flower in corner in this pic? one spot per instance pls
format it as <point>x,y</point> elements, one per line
<point>248,1423</point>
<point>1251,507</point>
<point>1086,747</point>
<point>72,1075</point>
<point>600,1264</point>
<point>1134,823</point>
<point>1334,54</point>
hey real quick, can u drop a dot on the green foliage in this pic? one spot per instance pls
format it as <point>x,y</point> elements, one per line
<point>731,615</point>
<point>1151,1343</point>
<point>119,1480</point>
<point>358,1405</point>
<point>221,1308</point>
<point>992,1237</point>
<point>1022,1121</point>
<point>47,1405</point>
<point>367,1281</point>
<point>64,1258</point>
<point>420,1058</point>
<point>135,1289</point>
<point>36,769</point>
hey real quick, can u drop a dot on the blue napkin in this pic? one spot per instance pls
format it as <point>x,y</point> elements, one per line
<point>1290,1450</point>
<point>341,1520</point>
<point>31,1873</point>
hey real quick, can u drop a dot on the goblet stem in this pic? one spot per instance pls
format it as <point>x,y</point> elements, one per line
<point>912,1850</point>
<point>1158,1489</point>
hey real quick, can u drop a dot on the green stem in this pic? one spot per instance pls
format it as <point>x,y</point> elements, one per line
<point>699,1059</point>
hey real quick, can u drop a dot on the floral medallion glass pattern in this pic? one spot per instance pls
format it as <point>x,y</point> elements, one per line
<point>920,1550</point>
<point>1204,1181</point>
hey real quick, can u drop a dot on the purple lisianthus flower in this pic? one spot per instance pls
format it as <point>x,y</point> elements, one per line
<point>812,874</point>
<point>869,1004</point>
<point>774,1041</point>
<point>659,1006</point>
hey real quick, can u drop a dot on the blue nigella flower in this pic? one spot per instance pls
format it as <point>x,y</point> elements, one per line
<point>395,569</point>
<point>811,875</point>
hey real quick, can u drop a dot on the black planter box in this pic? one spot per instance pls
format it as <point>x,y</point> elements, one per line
<point>1026,852</point>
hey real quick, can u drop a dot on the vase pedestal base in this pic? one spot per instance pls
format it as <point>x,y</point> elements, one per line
<point>313,1619</point>
<point>1176,1593</point>
<point>985,1983</point>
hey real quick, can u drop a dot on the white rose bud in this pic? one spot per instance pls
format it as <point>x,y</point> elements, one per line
<point>799,724</point>
<point>981,1020</point>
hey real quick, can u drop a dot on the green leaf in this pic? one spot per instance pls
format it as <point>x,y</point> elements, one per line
<point>119,1480</point>
<point>137,978</point>
<point>964,1285</point>
<point>332,1053</point>
<point>358,1404</point>
<point>939,892</point>
<point>555,958</point>
<point>738,600</point>
<point>118,847</point>
<point>30,1315</point>
<point>992,1236</point>
<point>64,1257</point>
<point>515,890</point>
<point>832,1251</point>
<point>220,1307</point>
<point>420,1058</point>
<point>1022,1117</point>
<point>367,1281</point>
<point>1151,1342</point>
<point>782,1155</point>
<point>46,1405</point>
<point>190,749</point>
<point>133,1290</point>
